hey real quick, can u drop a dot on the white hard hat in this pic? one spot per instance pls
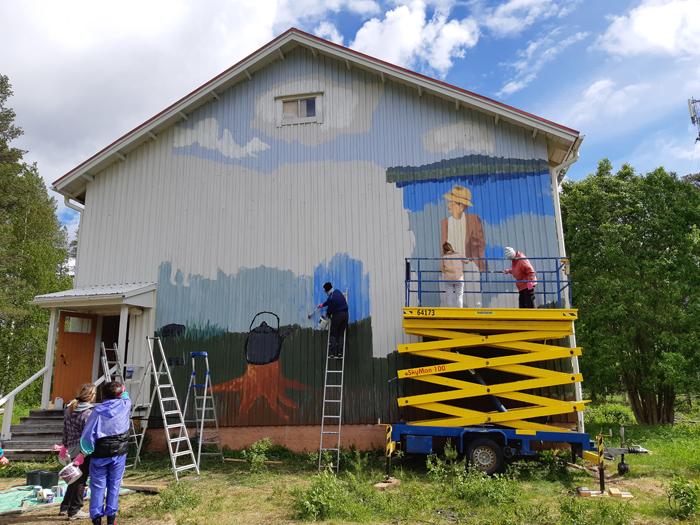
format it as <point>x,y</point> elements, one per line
<point>509,253</point>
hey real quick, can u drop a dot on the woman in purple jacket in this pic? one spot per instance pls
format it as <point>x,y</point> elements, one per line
<point>76,415</point>
<point>105,439</point>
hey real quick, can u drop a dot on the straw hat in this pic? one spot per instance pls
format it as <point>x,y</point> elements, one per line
<point>459,194</point>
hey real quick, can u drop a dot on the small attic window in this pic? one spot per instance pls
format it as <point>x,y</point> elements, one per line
<point>299,109</point>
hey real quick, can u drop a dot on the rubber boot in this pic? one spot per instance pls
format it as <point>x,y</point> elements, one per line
<point>112,520</point>
<point>97,521</point>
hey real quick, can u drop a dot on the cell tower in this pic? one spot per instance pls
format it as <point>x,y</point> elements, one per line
<point>694,110</point>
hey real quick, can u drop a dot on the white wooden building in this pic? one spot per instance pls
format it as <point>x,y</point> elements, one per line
<point>304,162</point>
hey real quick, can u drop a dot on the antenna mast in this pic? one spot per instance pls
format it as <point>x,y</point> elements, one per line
<point>694,110</point>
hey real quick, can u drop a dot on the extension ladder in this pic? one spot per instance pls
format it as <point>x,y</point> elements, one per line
<point>164,390</point>
<point>331,417</point>
<point>205,418</point>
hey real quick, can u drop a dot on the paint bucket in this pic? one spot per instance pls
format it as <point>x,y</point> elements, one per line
<point>70,473</point>
<point>36,490</point>
<point>323,323</point>
<point>33,477</point>
<point>48,478</point>
<point>46,495</point>
<point>58,403</point>
<point>59,490</point>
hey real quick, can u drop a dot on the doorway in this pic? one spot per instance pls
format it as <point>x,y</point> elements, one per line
<point>74,353</point>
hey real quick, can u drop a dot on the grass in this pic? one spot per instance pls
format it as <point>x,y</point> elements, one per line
<point>439,492</point>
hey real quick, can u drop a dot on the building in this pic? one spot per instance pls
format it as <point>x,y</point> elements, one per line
<point>305,162</point>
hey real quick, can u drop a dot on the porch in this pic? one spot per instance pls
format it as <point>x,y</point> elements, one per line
<point>121,316</point>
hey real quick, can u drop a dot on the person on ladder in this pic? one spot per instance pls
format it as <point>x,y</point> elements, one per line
<point>337,310</point>
<point>525,277</point>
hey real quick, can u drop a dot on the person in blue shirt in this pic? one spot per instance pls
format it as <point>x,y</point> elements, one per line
<point>337,310</point>
<point>105,439</point>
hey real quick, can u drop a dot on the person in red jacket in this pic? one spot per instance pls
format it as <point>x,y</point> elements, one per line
<point>524,275</point>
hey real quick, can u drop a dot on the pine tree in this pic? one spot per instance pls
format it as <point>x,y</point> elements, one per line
<point>32,256</point>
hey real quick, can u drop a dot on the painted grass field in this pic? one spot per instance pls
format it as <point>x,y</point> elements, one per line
<point>439,491</point>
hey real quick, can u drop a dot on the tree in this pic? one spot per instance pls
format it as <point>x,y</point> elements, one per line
<point>635,260</point>
<point>32,255</point>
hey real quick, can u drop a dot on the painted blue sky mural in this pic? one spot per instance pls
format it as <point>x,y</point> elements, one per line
<point>601,67</point>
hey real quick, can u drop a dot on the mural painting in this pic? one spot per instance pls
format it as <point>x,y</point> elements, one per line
<point>346,202</point>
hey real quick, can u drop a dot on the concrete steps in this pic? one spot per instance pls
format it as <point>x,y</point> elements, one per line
<point>33,438</point>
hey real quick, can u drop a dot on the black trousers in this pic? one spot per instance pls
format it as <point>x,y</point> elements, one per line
<point>339,323</point>
<point>73,500</point>
<point>526,298</point>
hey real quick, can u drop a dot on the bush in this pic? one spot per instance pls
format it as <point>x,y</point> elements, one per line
<point>479,488</point>
<point>579,511</point>
<point>177,496</point>
<point>609,414</point>
<point>256,454</point>
<point>327,497</point>
<point>683,498</point>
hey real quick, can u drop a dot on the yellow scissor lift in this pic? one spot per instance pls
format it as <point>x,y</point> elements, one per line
<point>503,415</point>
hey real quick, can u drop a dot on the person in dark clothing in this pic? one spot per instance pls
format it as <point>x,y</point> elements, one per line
<point>337,310</point>
<point>74,419</point>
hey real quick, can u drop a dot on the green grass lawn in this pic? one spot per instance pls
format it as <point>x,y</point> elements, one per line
<point>441,492</point>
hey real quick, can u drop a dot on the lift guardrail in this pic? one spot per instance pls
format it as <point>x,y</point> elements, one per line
<point>488,286</point>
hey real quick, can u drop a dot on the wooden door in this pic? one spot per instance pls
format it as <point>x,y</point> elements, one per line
<point>74,353</point>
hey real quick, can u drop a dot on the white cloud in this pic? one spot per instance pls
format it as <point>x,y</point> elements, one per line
<point>327,30</point>
<point>535,56</point>
<point>407,37</point>
<point>513,16</point>
<point>667,27</point>
<point>206,134</point>
<point>605,99</point>
<point>292,12</point>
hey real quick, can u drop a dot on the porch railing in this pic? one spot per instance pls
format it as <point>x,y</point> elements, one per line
<point>7,403</point>
<point>485,284</point>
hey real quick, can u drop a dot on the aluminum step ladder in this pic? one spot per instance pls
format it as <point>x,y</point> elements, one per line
<point>331,416</point>
<point>180,450</point>
<point>202,408</point>
<point>126,375</point>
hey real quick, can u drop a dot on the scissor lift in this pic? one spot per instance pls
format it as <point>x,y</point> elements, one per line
<point>500,417</point>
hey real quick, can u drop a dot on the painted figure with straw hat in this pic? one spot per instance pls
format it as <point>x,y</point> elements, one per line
<point>466,235</point>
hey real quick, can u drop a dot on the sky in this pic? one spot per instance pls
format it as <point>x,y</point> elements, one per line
<point>620,71</point>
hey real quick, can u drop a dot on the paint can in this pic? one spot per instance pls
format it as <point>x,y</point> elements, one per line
<point>70,473</point>
<point>59,491</point>
<point>36,491</point>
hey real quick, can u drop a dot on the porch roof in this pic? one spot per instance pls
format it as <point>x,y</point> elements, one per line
<point>133,294</point>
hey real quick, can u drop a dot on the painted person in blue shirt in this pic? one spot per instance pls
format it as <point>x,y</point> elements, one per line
<point>105,439</point>
<point>337,309</point>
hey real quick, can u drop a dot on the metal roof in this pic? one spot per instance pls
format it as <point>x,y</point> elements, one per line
<point>565,140</point>
<point>95,293</point>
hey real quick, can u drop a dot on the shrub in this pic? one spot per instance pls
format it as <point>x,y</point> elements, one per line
<point>256,454</point>
<point>177,496</point>
<point>327,497</point>
<point>476,487</point>
<point>609,414</point>
<point>683,498</point>
<point>579,511</point>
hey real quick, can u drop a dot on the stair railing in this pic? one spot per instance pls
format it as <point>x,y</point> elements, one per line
<point>7,403</point>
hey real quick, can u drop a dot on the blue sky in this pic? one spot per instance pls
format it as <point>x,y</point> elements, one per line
<point>619,71</point>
